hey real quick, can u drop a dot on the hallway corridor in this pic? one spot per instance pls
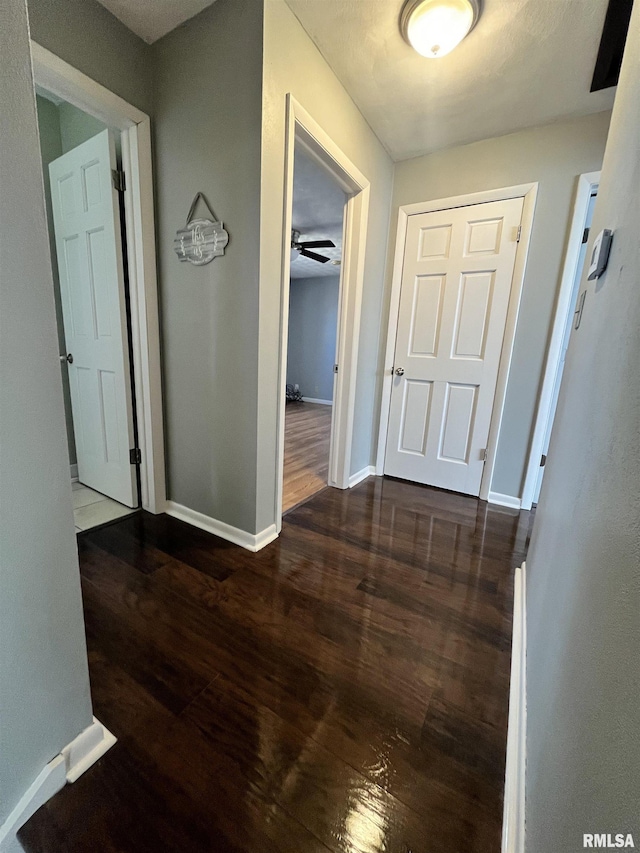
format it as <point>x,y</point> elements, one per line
<point>345,689</point>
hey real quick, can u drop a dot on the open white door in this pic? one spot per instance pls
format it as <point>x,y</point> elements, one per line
<point>456,282</point>
<point>569,321</point>
<point>88,244</point>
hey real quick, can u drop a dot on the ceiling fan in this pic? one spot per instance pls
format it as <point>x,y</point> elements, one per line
<point>302,248</point>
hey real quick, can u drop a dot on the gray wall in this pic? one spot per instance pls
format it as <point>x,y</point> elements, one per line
<point>44,683</point>
<point>207,138</point>
<point>583,655</point>
<point>294,64</point>
<point>554,156</point>
<point>313,321</point>
<point>76,127</point>
<point>86,35</point>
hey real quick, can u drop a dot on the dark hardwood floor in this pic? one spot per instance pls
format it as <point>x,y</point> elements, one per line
<point>307,438</point>
<point>345,689</point>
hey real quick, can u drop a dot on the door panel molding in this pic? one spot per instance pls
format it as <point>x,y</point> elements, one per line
<point>481,249</point>
<point>61,79</point>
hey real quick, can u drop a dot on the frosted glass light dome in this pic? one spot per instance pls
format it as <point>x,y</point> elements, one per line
<point>434,27</point>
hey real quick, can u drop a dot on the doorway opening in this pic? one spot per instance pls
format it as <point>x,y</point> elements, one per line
<point>586,193</point>
<point>81,159</point>
<point>305,138</point>
<point>314,293</point>
<point>96,157</point>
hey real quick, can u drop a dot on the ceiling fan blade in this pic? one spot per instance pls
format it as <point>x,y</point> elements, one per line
<point>318,244</point>
<point>314,257</point>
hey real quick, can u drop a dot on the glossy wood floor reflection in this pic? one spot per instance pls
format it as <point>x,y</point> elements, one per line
<point>345,689</point>
<point>307,436</point>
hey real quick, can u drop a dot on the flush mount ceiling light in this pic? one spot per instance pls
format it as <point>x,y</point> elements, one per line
<point>435,27</point>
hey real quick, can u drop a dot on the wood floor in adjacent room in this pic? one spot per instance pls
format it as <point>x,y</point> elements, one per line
<point>307,436</point>
<point>345,689</point>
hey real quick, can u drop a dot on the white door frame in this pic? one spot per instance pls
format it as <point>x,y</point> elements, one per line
<point>528,192</point>
<point>66,82</point>
<point>303,130</point>
<point>587,183</point>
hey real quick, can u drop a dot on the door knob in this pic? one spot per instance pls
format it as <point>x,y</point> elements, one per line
<point>68,357</point>
<point>399,371</point>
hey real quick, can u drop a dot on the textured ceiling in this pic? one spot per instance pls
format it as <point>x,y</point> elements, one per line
<point>318,209</point>
<point>527,62</point>
<point>152,19</point>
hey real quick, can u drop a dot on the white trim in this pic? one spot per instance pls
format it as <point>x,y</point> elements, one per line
<point>250,541</point>
<point>67,766</point>
<point>359,476</point>
<point>61,79</point>
<point>587,183</point>
<point>48,782</point>
<point>319,402</point>
<point>529,193</point>
<point>145,326</point>
<point>73,470</point>
<point>86,749</point>
<point>513,822</point>
<point>303,130</point>
<point>504,500</point>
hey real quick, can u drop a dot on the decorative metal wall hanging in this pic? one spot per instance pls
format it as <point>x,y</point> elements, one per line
<point>201,240</point>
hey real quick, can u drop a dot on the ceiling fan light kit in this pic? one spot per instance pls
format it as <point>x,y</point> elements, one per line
<point>435,27</point>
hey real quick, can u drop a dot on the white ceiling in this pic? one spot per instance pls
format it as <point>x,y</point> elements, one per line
<point>526,63</point>
<point>152,19</point>
<point>318,209</point>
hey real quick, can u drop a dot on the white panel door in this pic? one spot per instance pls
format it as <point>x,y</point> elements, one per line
<point>88,245</point>
<point>456,282</point>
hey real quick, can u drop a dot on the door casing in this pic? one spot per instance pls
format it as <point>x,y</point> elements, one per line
<point>528,192</point>
<point>86,216</point>
<point>61,79</point>
<point>302,129</point>
<point>586,184</point>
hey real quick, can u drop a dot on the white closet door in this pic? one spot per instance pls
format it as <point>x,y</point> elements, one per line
<point>88,243</point>
<point>456,282</point>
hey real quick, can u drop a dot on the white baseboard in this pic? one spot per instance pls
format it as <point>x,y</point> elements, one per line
<point>514,785</point>
<point>69,765</point>
<point>504,500</point>
<point>86,749</point>
<point>314,400</point>
<point>47,783</point>
<point>250,541</point>
<point>359,476</point>
<point>74,472</point>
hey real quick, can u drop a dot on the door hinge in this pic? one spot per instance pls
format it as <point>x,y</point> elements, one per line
<point>135,456</point>
<point>483,454</point>
<point>335,368</point>
<point>119,180</point>
<point>585,235</point>
<point>543,460</point>
<point>518,233</point>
